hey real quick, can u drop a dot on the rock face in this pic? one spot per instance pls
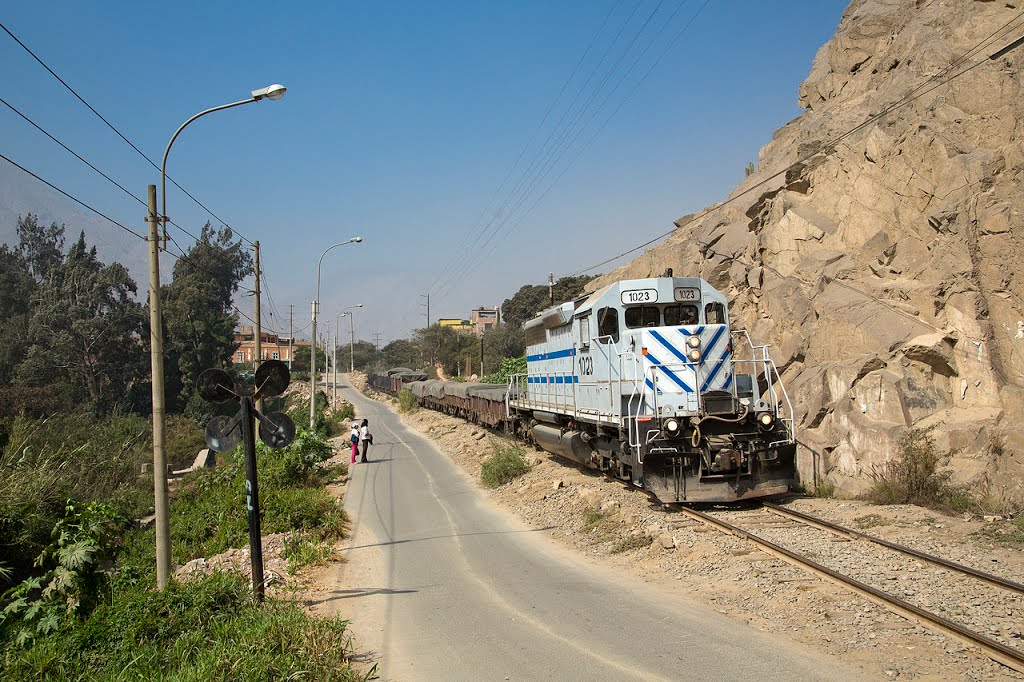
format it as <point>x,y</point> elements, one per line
<point>885,270</point>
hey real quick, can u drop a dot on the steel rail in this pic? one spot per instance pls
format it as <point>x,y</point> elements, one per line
<point>849,532</point>
<point>996,651</point>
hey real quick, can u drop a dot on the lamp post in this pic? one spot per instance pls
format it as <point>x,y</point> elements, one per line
<point>337,335</point>
<point>160,505</point>
<point>312,356</point>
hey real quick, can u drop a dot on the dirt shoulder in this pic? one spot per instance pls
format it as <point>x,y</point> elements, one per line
<point>619,526</point>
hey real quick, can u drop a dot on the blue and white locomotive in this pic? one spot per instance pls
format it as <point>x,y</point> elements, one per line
<point>645,379</point>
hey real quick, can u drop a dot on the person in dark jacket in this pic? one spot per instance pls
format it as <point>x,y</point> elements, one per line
<point>365,437</point>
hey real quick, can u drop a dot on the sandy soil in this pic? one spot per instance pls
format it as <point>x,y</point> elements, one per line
<point>617,525</point>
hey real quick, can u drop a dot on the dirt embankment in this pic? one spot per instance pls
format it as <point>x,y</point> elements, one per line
<point>614,524</point>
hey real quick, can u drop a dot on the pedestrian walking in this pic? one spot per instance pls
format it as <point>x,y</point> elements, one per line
<point>354,439</point>
<point>366,437</point>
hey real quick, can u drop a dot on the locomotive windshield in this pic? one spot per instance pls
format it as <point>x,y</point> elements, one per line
<point>643,316</point>
<point>679,315</point>
<point>651,316</point>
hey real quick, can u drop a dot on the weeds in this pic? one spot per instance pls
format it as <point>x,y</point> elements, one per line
<point>407,401</point>
<point>301,550</point>
<point>504,465</point>
<point>915,477</point>
<point>208,629</point>
<point>629,543</point>
<point>1010,532</point>
<point>825,490</point>
<point>870,521</point>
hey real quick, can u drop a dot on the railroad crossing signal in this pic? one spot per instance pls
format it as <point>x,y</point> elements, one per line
<point>224,433</point>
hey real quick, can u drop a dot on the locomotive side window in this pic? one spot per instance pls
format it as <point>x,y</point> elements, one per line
<point>643,316</point>
<point>535,335</point>
<point>679,315</point>
<point>585,331</point>
<point>714,313</point>
<point>608,325</point>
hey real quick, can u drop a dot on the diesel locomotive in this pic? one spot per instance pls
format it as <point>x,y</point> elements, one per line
<point>647,381</point>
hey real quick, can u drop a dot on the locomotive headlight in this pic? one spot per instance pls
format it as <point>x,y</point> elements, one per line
<point>672,426</point>
<point>694,354</point>
<point>693,341</point>
<point>766,419</point>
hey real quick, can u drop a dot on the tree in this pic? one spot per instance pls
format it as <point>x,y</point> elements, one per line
<point>403,353</point>
<point>86,328</point>
<point>533,298</point>
<point>301,360</point>
<point>505,341</point>
<point>365,354</point>
<point>198,310</point>
<point>17,288</point>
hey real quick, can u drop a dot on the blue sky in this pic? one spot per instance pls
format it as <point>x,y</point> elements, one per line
<point>400,123</point>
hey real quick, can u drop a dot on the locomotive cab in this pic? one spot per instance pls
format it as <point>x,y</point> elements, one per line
<point>646,379</point>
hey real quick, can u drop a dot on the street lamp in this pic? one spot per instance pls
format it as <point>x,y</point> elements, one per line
<point>312,355</point>
<point>160,505</point>
<point>351,332</point>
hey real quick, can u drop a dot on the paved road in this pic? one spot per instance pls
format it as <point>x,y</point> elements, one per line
<point>442,585</point>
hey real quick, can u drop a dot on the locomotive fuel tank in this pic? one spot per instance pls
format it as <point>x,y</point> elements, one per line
<point>565,443</point>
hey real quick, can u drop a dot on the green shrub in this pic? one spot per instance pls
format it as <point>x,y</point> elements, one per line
<point>83,542</point>
<point>207,629</point>
<point>509,366</point>
<point>407,401</point>
<point>504,465</point>
<point>301,550</point>
<point>915,477</point>
<point>46,462</point>
<point>208,516</point>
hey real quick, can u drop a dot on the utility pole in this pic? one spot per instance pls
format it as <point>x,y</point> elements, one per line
<point>257,324</point>
<point>291,337</point>
<point>156,346</point>
<point>376,342</point>
<point>312,372</point>
<point>334,376</point>
<point>352,342</point>
<point>427,296</point>
<point>481,356</point>
<point>551,288</point>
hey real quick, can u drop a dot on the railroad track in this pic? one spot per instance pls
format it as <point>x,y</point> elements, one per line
<point>997,651</point>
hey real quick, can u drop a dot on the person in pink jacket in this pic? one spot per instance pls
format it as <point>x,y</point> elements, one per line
<point>354,439</point>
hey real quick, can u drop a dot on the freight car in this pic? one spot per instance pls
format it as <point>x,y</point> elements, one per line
<point>647,381</point>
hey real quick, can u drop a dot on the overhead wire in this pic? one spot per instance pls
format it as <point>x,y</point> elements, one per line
<point>466,253</point>
<point>73,198</point>
<point>536,130</point>
<point>218,252</point>
<point>562,149</point>
<point>114,128</point>
<point>828,147</point>
<point>523,184</point>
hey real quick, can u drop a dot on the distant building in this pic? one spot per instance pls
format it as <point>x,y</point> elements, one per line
<point>272,346</point>
<point>482,319</point>
<point>455,323</point>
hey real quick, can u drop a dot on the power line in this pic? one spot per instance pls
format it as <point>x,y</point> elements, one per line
<point>111,126</point>
<point>561,149</point>
<point>456,259</point>
<point>73,198</point>
<point>109,179</point>
<point>829,147</point>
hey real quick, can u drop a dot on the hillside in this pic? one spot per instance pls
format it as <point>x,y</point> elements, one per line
<point>886,271</point>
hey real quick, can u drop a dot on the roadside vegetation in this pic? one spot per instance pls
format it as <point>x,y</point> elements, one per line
<point>77,574</point>
<point>505,464</point>
<point>917,476</point>
<point>407,401</point>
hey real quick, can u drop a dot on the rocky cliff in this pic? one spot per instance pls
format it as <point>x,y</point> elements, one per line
<point>885,270</point>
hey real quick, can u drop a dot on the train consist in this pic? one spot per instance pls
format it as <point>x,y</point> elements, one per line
<point>647,381</point>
